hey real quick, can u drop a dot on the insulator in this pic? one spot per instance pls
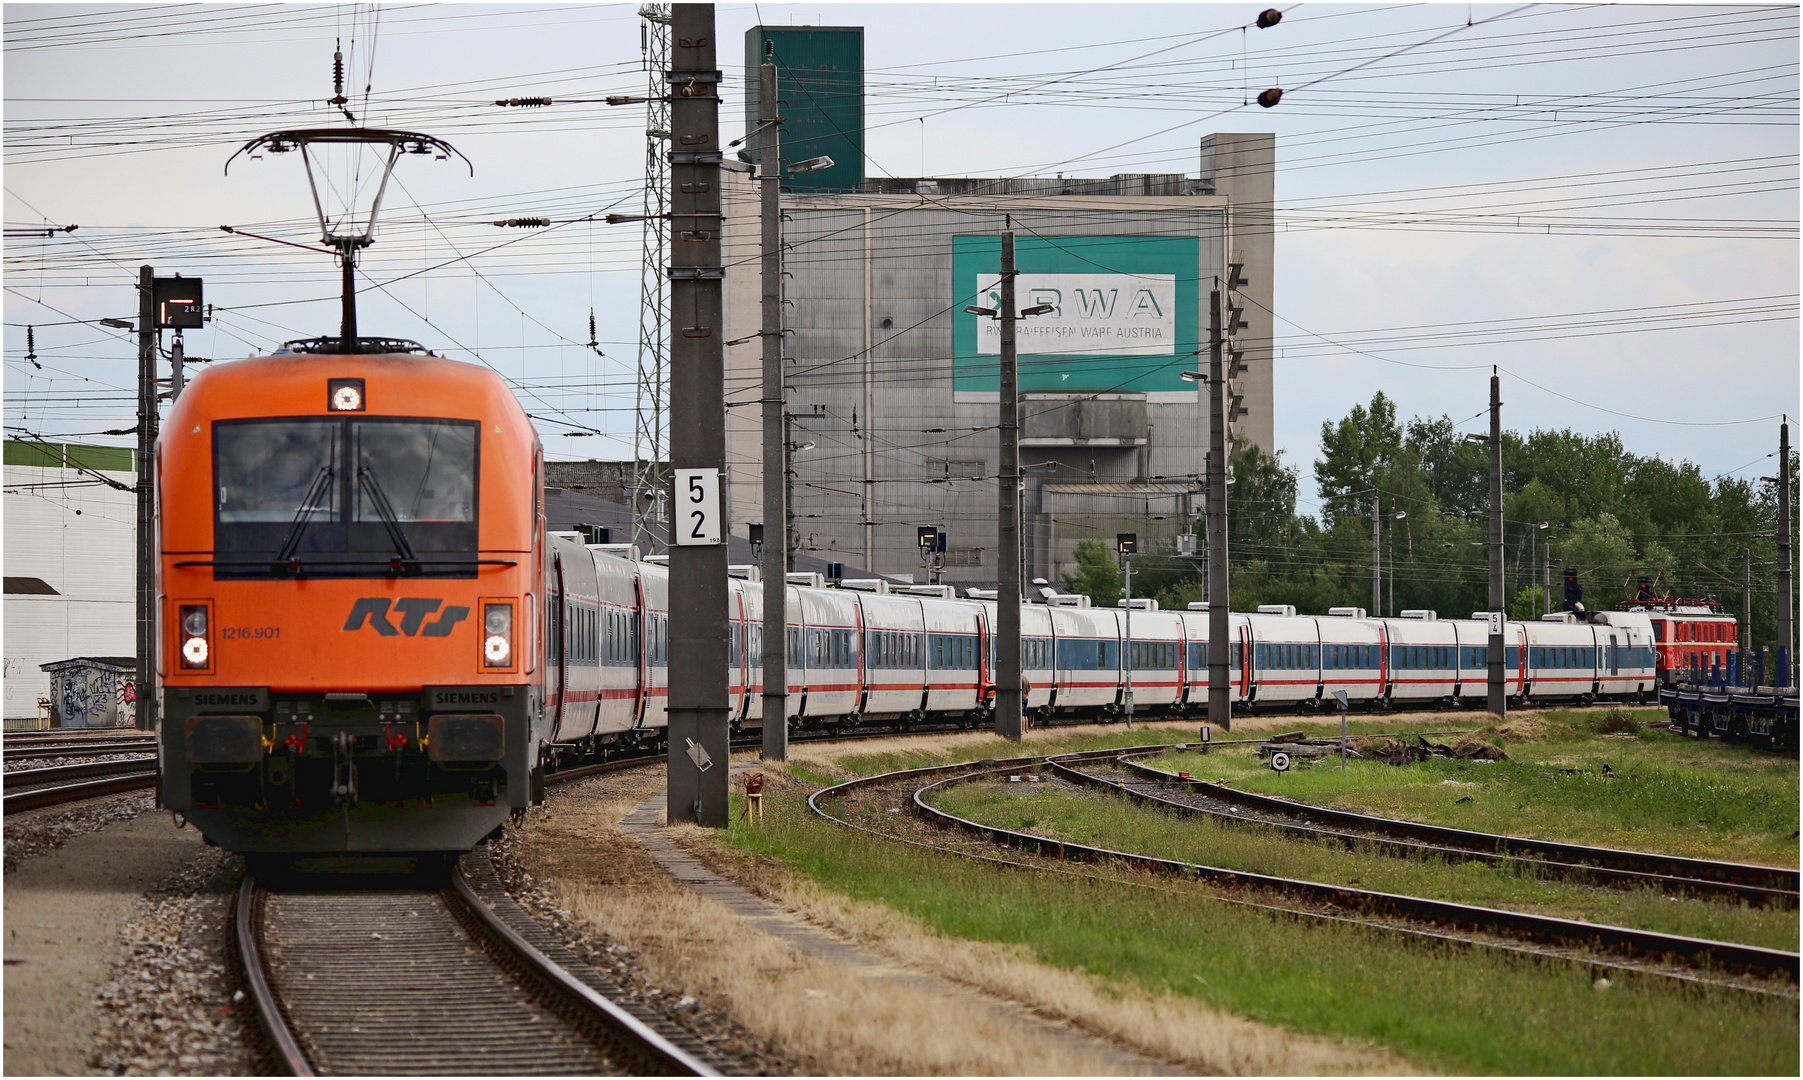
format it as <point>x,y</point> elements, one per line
<point>338,73</point>
<point>31,344</point>
<point>523,223</point>
<point>1268,18</point>
<point>524,102</point>
<point>591,328</point>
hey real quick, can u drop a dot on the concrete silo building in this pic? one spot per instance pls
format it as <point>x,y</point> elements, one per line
<point>893,387</point>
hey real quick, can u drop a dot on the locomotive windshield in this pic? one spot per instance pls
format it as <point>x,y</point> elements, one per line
<point>345,497</point>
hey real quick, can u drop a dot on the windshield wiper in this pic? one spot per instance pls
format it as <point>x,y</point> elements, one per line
<point>407,561</point>
<point>284,559</point>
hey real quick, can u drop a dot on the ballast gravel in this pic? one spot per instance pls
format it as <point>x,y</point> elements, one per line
<point>172,1007</point>
<point>748,1053</point>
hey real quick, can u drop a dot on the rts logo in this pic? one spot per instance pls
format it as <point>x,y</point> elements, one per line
<point>412,611</point>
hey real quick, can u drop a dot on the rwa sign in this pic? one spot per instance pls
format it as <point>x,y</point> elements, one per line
<point>1092,314</point>
<point>1123,318</point>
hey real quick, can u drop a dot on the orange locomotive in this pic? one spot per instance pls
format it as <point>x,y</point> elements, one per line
<point>351,557</point>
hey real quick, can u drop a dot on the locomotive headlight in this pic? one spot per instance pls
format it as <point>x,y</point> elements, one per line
<point>345,395</point>
<point>197,647</point>
<point>497,635</point>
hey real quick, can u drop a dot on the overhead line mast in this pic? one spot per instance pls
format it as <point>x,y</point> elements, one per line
<point>648,425</point>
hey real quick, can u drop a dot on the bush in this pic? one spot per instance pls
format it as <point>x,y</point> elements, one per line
<point>1615,722</point>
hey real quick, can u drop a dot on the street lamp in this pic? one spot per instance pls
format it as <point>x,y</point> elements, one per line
<point>808,165</point>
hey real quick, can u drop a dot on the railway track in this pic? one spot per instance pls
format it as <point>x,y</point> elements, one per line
<point>1691,960</point>
<point>30,789</point>
<point>1760,885</point>
<point>431,978</point>
<point>45,749</point>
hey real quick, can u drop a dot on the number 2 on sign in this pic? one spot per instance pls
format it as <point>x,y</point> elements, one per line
<point>698,496</point>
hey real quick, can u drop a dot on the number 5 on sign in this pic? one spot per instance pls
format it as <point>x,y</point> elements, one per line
<point>697,518</point>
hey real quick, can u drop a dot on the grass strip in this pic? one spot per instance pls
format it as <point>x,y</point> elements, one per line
<point>1450,1009</point>
<point>1645,790</point>
<point>1104,820</point>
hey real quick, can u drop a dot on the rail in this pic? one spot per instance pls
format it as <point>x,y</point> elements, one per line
<point>1645,946</point>
<point>1767,885</point>
<point>358,997</point>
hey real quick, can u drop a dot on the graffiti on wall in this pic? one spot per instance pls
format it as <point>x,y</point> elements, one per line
<point>87,697</point>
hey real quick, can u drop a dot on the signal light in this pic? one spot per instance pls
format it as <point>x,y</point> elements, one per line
<point>497,635</point>
<point>197,645</point>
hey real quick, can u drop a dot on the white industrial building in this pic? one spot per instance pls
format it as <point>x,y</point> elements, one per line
<point>70,539</point>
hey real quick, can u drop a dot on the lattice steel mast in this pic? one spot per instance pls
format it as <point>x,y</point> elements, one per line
<point>648,427</point>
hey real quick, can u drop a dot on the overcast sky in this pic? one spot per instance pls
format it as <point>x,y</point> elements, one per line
<point>1602,201</point>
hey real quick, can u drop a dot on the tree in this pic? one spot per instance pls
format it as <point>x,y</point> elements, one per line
<point>1096,575</point>
<point>1353,454</point>
<point>1602,552</point>
<point>1457,471</point>
<point>1526,599</point>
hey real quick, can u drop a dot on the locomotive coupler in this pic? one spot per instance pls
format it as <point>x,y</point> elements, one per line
<point>344,768</point>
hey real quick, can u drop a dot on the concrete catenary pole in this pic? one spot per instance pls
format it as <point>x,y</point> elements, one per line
<point>1377,572</point>
<point>1787,642</point>
<point>699,758</point>
<point>1498,699</point>
<point>1219,710</point>
<point>776,504</point>
<point>1007,598</point>
<point>1390,565</point>
<point>147,541</point>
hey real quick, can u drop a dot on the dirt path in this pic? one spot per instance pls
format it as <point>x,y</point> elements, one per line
<point>64,911</point>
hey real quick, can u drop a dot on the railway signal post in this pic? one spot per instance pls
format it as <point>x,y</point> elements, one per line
<point>698,753</point>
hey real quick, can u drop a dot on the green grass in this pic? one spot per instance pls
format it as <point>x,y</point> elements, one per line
<point>1667,793</point>
<point>1454,1010</point>
<point>1103,820</point>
